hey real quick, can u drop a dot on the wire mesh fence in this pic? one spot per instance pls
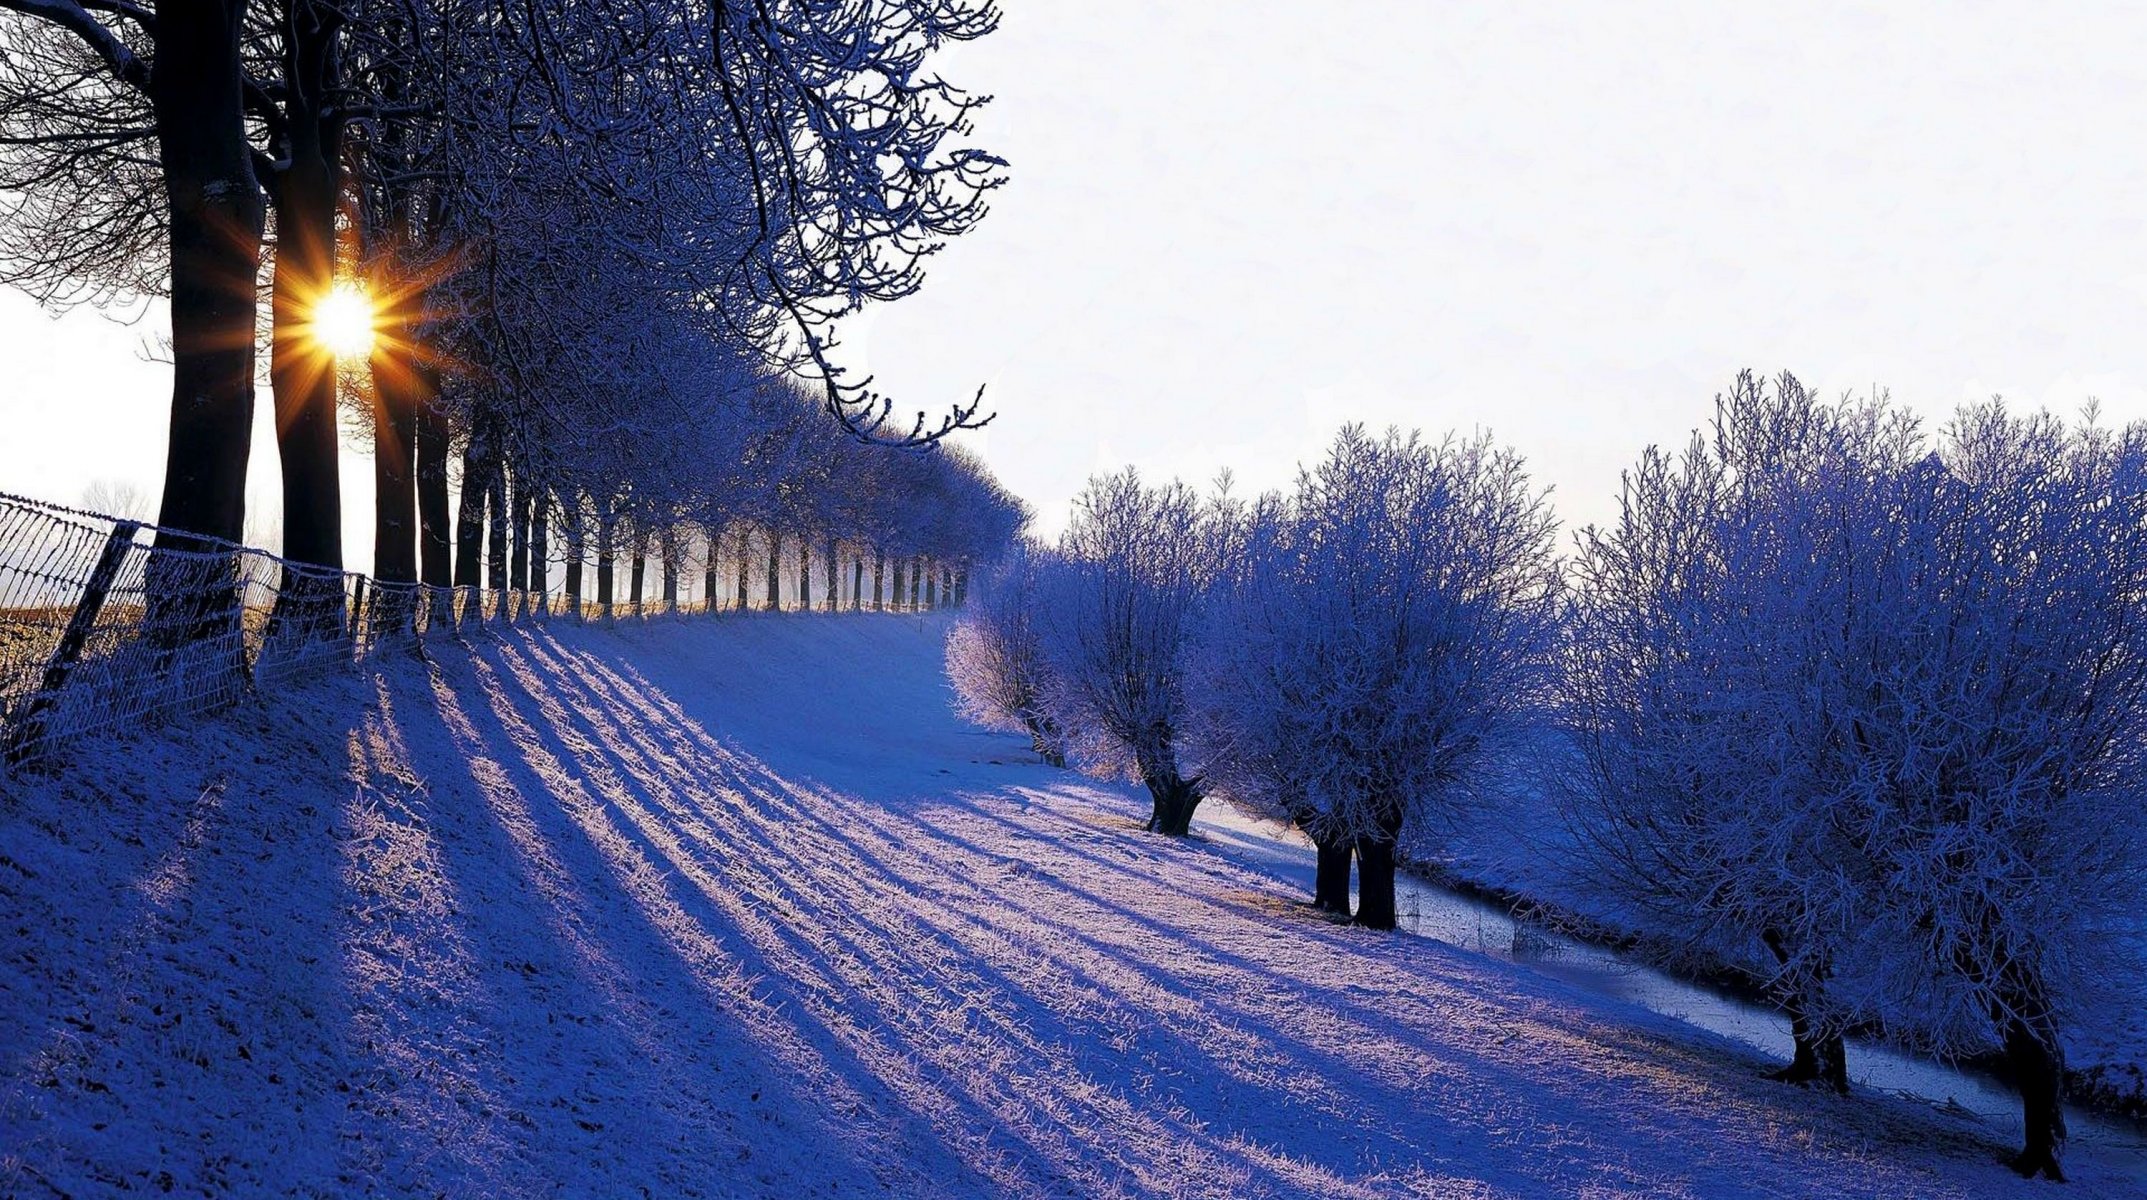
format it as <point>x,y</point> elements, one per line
<point>108,623</point>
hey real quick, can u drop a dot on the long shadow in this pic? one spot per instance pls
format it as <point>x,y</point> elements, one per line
<point>808,940</point>
<point>190,962</point>
<point>1646,1048</point>
<point>723,926</point>
<point>805,818</point>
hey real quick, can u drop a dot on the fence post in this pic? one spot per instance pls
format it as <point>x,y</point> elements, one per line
<point>29,728</point>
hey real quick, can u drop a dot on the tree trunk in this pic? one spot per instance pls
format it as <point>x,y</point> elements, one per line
<point>879,581</point>
<point>2035,1058</point>
<point>775,572</point>
<point>576,539</point>
<point>640,569</point>
<point>711,577</point>
<point>394,484</point>
<point>1330,887</point>
<point>1174,801</point>
<point>1820,1056</point>
<point>496,533</point>
<point>470,516</point>
<point>303,372</point>
<point>745,559</point>
<point>606,534</point>
<point>540,548</point>
<point>669,544</point>
<point>518,562</point>
<point>1375,871</point>
<point>435,562</point>
<point>1044,738</point>
<point>896,596</point>
<point>805,574</point>
<point>215,215</point>
<point>916,585</point>
<point>857,583</point>
<point>931,585</point>
<point>834,578</point>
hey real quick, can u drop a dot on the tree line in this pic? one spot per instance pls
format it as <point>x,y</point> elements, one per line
<point>1858,707</point>
<point>603,236</point>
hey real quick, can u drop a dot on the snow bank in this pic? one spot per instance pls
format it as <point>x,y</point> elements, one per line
<point>737,908</point>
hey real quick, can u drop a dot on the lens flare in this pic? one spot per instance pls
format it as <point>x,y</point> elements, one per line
<point>343,321</point>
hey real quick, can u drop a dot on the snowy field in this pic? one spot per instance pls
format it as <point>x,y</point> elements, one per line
<point>738,908</point>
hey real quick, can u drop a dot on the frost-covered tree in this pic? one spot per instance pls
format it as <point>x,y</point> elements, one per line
<point>1390,629</point>
<point>1115,610</point>
<point>1707,682</point>
<point>995,658</point>
<point>2003,734</point>
<point>1846,704</point>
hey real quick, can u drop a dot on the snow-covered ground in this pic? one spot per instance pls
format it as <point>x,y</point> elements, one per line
<point>738,908</point>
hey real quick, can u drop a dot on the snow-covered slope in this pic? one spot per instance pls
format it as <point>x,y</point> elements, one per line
<point>737,908</point>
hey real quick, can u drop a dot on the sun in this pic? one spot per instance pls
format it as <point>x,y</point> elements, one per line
<point>343,321</point>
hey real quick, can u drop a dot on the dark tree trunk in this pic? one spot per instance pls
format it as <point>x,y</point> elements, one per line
<point>916,585</point>
<point>879,581</point>
<point>215,214</point>
<point>857,583</point>
<point>775,572</point>
<point>711,576</point>
<point>435,562</point>
<point>805,575</point>
<point>540,548</point>
<point>1174,801</point>
<point>896,596</point>
<point>670,568</point>
<point>745,559</point>
<point>2035,1058</point>
<point>640,570</point>
<point>302,371</point>
<point>1375,871</point>
<point>1820,1056</point>
<point>576,548</point>
<point>394,493</point>
<point>496,533</point>
<point>1330,887</point>
<point>470,515</point>
<point>518,561</point>
<point>834,580</point>
<point>931,585</point>
<point>606,534</point>
<point>394,483</point>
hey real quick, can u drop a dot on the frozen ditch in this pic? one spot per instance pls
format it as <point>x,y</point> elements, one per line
<point>1432,910</point>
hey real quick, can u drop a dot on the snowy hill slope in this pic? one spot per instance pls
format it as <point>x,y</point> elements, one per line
<point>738,908</point>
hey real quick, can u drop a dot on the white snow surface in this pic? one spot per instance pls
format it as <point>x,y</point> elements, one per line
<point>738,907</point>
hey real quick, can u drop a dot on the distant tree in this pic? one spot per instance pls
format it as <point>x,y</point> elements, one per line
<point>1115,611</point>
<point>119,498</point>
<point>995,657</point>
<point>1390,632</point>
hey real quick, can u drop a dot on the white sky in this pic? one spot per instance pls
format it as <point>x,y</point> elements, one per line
<point>1235,224</point>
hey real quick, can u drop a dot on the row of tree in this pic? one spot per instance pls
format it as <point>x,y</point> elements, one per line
<point>597,231</point>
<point>763,505</point>
<point>1860,708</point>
